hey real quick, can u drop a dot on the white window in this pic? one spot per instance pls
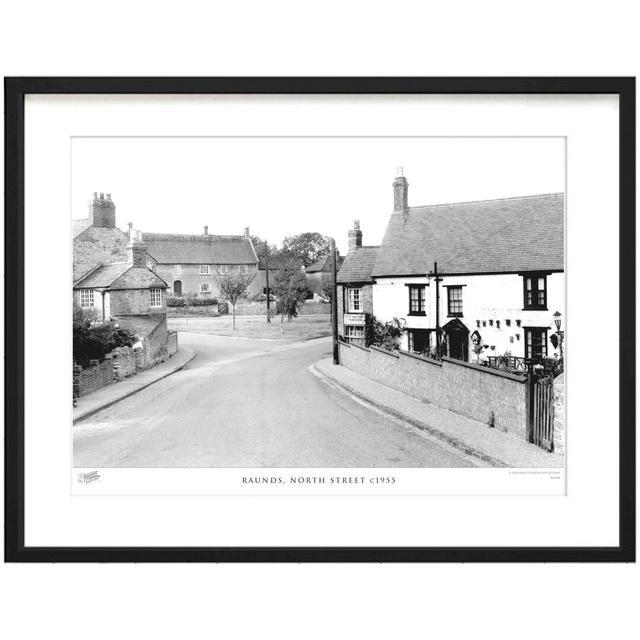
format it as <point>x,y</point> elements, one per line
<point>224,268</point>
<point>243,268</point>
<point>205,287</point>
<point>355,300</point>
<point>86,298</point>
<point>156,297</point>
<point>204,269</point>
<point>354,334</point>
<point>177,269</point>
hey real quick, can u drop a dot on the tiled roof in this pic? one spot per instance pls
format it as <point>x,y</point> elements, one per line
<point>280,262</point>
<point>102,276</point>
<point>173,248</point>
<point>140,325</point>
<point>491,236</point>
<point>79,226</point>
<point>324,264</point>
<point>120,275</point>
<point>358,265</point>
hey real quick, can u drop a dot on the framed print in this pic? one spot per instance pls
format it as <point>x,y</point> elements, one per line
<point>320,319</point>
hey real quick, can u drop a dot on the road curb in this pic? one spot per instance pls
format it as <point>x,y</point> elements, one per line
<point>128,394</point>
<point>419,424</point>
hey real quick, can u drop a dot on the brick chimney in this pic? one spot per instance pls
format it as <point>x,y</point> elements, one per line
<point>355,236</point>
<point>102,211</point>
<point>246,232</point>
<point>137,252</point>
<point>206,230</point>
<point>400,192</point>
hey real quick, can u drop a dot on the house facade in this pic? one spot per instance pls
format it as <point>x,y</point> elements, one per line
<point>132,295</point>
<point>355,287</point>
<point>190,263</point>
<point>500,275</point>
<point>318,274</point>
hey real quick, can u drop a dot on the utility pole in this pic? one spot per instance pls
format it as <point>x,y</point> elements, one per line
<point>334,305</point>
<point>437,281</point>
<point>266,270</point>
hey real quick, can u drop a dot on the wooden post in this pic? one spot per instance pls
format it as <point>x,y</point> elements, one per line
<point>266,270</point>
<point>334,306</point>
<point>438,337</point>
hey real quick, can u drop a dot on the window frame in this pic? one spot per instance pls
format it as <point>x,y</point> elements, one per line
<point>156,291</point>
<point>87,292</point>
<point>535,276</point>
<point>223,269</point>
<point>205,287</point>
<point>528,331</point>
<point>353,328</point>
<point>421,301</point>
<point>350,306</point>
<point>177,269</point>
<point>208,269</point>
<point>450,313</point>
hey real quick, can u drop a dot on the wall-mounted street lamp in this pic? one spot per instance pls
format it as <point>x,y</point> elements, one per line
<point>557,320</point>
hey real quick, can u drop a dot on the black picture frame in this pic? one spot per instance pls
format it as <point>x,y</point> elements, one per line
<point>15,91</point>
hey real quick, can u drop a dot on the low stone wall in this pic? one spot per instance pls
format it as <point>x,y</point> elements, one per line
<point>124,361</point>
<point>465,388</point>
<point>559,439</point>
<point>93,377</point>
<point>172,342</point>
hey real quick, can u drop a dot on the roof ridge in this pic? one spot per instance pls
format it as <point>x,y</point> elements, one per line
<point>451,204</point>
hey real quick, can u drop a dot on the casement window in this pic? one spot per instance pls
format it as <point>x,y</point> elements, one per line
<point>354,298</point>
<point>86,298</point>
<point>204,270</point>
<point>535,343</point>
<point>416,300</point>
<point>177,268</point>
<point>354,334</point>
<point>535,291</point>
<point>156,297</point>
<point>205,287</point>
<point>418,340</point>
<point>454,301</point>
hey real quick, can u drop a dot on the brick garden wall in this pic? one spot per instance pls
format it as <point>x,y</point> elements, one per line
<point>88,380</point>
<point>468,389</point>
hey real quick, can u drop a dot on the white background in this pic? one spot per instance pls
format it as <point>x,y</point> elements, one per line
<point>370,38</point>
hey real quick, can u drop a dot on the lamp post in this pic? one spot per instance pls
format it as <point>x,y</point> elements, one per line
<point>557,320</point>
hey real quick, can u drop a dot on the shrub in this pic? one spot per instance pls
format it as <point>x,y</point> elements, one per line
<point>382,334</point>
<point>93,341</point>
<point>191,302</point>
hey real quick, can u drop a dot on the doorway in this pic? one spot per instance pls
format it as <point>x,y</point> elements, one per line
<point>177,288</point>
<point>456,340</point>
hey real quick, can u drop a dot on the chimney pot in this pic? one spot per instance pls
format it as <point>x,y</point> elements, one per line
<point>108,196</point>
<point>101,196</point>
<point>246,232</point>
<point>206,230</point>
<point>355,237</point>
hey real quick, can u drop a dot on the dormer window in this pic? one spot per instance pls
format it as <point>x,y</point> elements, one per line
<point>535,291</point>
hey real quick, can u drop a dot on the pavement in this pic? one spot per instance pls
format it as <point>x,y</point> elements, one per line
<point>112,393</point>
<point>249,403</point>
<point>491,446</point>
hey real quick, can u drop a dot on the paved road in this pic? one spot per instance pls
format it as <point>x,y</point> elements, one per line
<point>250,403</point>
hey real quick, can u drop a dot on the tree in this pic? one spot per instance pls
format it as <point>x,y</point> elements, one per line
<point>290,289</point>
<point>306,247</point>
<point>233,286</point>
<point>383,334</point>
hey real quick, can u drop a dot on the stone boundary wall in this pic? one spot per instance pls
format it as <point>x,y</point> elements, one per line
<point>465,388</point>
<point>124,362</point>
<point>559,436</point>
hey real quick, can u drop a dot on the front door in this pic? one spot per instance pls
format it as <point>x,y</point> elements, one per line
<point>535,342</point>
<point>456,340</point>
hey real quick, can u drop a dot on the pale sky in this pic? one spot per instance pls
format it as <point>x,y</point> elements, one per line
<point>285,186</point>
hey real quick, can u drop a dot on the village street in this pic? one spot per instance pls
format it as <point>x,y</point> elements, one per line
<point>250,403</point>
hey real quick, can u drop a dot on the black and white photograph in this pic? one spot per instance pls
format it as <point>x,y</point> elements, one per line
<point>318,302</point>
